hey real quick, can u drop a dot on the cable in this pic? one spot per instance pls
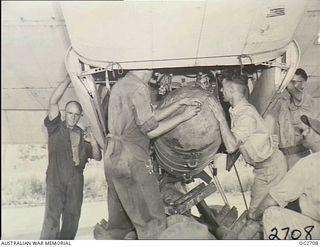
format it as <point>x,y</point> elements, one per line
<point>112,65</point>
<point>242,192</point>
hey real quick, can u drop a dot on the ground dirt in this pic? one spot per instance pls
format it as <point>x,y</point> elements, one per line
<point>26,222</point>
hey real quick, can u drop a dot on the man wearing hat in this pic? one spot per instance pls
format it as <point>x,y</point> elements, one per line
<point>301,182</point>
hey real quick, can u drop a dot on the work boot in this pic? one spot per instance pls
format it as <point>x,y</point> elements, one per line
<point>100,231</point>
<point>251,230</point>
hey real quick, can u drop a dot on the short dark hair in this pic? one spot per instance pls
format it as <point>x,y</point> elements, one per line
<point>74,102</point>
<point>237,78</point>
<point>302,73</point>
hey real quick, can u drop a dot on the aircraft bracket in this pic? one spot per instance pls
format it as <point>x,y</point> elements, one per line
<point>91,71</point>
<point>283,66</point>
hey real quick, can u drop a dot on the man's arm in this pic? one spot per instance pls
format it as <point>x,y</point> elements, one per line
<point>146,119</point>
<point>162,113</point>
<point>169,124</point>
<point>56,96</point>
<point>230,141</point>
<point>96,152</point>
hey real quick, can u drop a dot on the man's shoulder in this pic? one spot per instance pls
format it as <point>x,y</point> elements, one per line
<point>127,86</point>
<point>313,103</point>
<point>247,109</point>
<point>308,163</point>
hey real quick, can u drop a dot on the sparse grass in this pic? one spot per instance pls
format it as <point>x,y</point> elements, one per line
<point>229,180</point>
<point>95,187</point>
<point>28,189</point>
<point>24,173</point>
<point>23,177</point>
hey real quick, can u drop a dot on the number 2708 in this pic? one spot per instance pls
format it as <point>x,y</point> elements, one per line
<point>292,234</point>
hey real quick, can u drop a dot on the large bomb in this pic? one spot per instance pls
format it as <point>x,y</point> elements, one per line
<point>187,149</point>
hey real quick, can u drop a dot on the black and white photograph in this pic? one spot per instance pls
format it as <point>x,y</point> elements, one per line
<point>160,120</point>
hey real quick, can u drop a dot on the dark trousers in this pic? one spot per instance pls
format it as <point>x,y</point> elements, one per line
<point>63,201</point>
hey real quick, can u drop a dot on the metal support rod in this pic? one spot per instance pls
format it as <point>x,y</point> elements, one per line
<point>242,192</point>
<point>218,185</point>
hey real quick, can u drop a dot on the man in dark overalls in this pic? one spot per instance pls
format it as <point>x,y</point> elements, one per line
<point>69,149</point>
<point>134,203</point>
